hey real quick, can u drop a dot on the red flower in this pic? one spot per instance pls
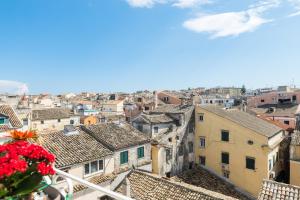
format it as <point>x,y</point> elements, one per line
<point>45,169</point>
<point>18,156</point>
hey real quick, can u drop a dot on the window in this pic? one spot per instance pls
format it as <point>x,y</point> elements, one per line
<point>202,142</point>
<point>294,98</point>
<point>42,122</point>
<point>147,108</point>
<point>168,154</point>
<point>250,163</point>
<point>270,164</point>
<point>2,120</point>
<point>180,151</point>
<point>191,147</point>
<point>140,127</point>
<point>140,152</point>
<point>170,139</point>
<point>124,157</point>
<point>286,122</point>
<point>225,136</point>
<point>250,142</point>
<point>262,100</point>
<point>225,158</point>
<point>25,122</point>
<point>93,167</point>
<point>202,160</point>
<point>201,117</point>
<point>58,120</point>
<point>71,121</point>
<point>155,129</point>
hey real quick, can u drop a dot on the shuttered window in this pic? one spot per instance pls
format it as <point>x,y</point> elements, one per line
<point>124,157</point>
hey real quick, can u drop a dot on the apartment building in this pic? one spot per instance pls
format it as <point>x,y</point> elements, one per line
<point>171,128</point>
<point>237,146</point>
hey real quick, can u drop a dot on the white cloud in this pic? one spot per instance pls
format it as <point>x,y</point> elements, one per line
<point>296,5</point>
<point>190,3</point>
<point>13,87</point>
<point>143,3</point>
<point>232,23</point>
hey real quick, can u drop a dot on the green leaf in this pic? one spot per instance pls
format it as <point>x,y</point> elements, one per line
<point>28,185</point>
<point>3,192</point>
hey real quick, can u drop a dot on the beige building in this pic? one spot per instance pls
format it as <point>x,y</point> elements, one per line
<point>112,107</point>
<point>52,119</point>
<point>237,146</point>
<point>295,156</point>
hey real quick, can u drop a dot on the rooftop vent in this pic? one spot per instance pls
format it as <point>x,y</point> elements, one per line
<point>70,130</point>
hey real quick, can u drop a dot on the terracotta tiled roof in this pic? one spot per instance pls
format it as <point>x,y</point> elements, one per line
<point>14,121</point>
<point>272,190</point>
<point>51,113</point>
<point>73,149</point>
<point>145,186</point>
<point>203,178</point>
<point>172,108</point>
<point>244,119</point>
<point>95,180</point>
<point>115,136</point>
<point>156,118</point>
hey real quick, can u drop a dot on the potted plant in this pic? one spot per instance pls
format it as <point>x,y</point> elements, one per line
<point>23,166</point>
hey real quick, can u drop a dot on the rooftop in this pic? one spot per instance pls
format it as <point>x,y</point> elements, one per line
<point>72,149</point>
<point>171,108</point>
<point>272,190</point>
<point>244,119</point>
<point>203,178</point>
<point>14,121</point>
<point>51,113</point>
<point>117,136</point>
<point>146,186</point>
<point>284,110</point>
<point>156,118</point>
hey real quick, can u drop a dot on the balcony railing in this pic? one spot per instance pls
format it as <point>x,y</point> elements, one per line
<point>70,178</point>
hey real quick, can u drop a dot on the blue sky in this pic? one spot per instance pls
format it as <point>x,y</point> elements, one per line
<point>61,46</point>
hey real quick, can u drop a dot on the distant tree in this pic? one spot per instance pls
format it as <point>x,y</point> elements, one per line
<point>243,90</point>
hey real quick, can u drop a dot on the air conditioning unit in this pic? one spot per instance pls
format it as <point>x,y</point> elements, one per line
<point>272,175</point>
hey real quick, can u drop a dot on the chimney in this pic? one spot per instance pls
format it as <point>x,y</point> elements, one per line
<point>155,99</point>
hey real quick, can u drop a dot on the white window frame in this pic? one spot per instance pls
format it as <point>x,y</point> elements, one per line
<point>90,168</point>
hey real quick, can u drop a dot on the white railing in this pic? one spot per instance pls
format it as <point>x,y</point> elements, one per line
<point>69,178</point>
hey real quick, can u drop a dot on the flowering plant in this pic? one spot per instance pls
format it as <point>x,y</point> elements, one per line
<point>22,135</point>
<point>22,167</point>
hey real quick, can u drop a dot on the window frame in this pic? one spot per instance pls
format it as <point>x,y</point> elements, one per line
<point>201,139</point>
<point>138,152</point>
<point>247,166</point>
<point>90,168</point>
<point>121,157</point>
<point>201,117</point>
<point>222,158</point>
<point>222,134</point>
<point>202,158</point>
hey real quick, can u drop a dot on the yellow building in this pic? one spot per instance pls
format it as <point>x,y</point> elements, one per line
<point>238,146</point>
<point>295,159</point>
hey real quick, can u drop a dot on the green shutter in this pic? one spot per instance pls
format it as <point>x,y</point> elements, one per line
<point>140,152</point>
<point>124,157</point>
